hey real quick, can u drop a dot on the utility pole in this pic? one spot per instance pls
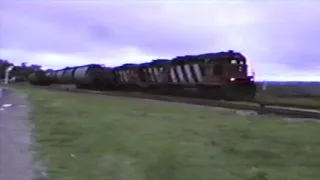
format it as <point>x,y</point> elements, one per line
<point>263,93</point>
<point>7,73</point>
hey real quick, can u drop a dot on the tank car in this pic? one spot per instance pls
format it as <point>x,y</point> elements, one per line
<point>90,76</point>
<point>52,76</point>
<point>39,78</point>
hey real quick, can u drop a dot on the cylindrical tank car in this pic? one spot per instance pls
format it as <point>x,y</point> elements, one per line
<point>90,76</point>
<point>39,78</point>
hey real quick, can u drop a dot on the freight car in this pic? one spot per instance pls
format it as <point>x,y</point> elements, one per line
<point>39,78</point>
<point>90,76</point>
<point>222,75</point>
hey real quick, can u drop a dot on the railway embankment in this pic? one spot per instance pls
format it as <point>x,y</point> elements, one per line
<point>261,107</point>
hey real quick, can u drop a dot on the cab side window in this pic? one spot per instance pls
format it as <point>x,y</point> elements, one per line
<point>236,62</point>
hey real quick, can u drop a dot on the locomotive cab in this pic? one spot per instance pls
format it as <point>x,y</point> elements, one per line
<point>213,71</point>
<point>229,74</point>
<point>239,85</point>
<point>227,70</point>
<point>237,70</point>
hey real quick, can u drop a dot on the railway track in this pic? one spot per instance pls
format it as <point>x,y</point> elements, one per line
<point>260,109</point>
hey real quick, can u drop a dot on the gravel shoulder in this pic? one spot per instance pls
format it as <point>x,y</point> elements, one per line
<point>16,161</point>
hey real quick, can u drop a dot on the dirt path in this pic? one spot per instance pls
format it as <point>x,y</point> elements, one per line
<point>16,162</point>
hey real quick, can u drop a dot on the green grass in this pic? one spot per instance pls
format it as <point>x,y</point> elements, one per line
<point>97,137</point>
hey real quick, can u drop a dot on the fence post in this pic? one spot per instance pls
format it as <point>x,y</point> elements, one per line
<point>263,94</point>
<point>1,93</point>
<point>7,74</point>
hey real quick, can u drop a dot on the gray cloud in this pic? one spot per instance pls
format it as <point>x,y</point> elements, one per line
<point>282,36</point>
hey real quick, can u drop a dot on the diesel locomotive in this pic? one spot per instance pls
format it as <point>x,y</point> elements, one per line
<point>222,75</point>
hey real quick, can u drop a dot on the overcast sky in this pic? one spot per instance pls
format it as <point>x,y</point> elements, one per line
<point>281,39</point>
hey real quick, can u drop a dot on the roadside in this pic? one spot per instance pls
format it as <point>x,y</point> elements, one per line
<point>16,161</point>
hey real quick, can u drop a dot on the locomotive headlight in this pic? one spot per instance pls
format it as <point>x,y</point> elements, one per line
<point>232,79</point>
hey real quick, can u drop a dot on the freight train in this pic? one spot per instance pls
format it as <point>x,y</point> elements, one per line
<point>222,75</point>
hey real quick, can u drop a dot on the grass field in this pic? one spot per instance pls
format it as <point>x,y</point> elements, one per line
<point>97,137</point>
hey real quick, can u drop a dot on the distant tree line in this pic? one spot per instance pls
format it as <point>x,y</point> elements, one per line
<point>20,72</point>
<point>290,89</point>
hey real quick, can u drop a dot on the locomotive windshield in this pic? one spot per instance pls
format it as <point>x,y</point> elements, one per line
<point>234,61</point>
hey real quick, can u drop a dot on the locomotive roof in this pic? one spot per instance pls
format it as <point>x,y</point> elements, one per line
<point>107,68</point>
<point>208,55</point>
<point>159,61</point>
<point>146,64</point>
<point>218,56</point>
<point>127,65</point>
